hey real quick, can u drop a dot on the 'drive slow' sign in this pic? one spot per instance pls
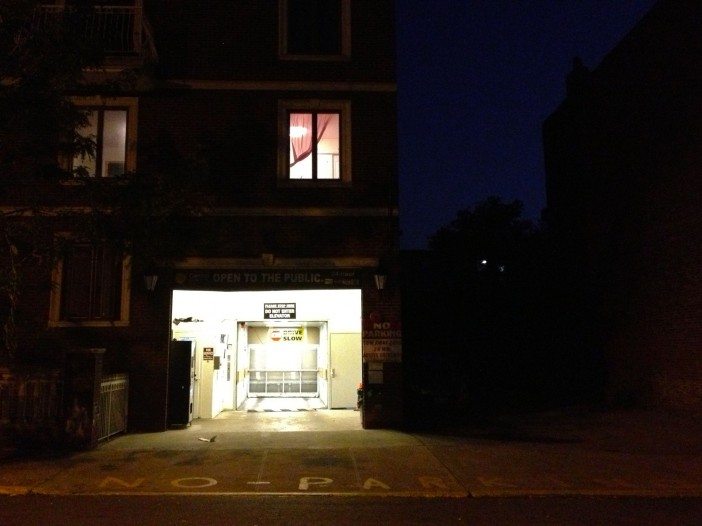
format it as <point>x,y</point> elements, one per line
<point>279,311</point>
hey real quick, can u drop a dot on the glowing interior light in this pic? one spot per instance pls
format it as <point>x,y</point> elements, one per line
<point>483,262</point>
<point>297,131</point>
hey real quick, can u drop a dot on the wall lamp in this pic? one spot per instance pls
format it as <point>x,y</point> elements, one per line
<point>189,319</point>
<point>380,277</point>
<point>150,280</point>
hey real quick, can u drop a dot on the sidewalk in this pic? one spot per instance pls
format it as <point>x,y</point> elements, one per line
<point>625,431</point>
<point>559,453</point>
<point>616,453</point>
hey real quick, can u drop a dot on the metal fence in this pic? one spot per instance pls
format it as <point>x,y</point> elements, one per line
<point>114,401</point>
<point>30,398</point>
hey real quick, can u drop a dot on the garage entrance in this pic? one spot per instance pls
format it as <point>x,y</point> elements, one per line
<point>271,350</point>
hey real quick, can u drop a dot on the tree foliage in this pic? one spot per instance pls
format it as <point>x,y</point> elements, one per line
<point>44,54</point>
<point>487,293</point>
<point>148,213</point>
<point>491,238</point>
<point>42,58</point>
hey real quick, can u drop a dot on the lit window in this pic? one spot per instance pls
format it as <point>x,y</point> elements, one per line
<point>314,146</point>
<point>315,143</point>
<point>108,128</point>
<point>92,286</point>
<point>314,29</point>
<point>111,123</point>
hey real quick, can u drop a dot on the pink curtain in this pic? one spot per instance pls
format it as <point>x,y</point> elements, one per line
<point>301,143</point>
<point>323,120</point>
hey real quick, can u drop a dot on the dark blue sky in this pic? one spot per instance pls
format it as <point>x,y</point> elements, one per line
<point>476,79</point>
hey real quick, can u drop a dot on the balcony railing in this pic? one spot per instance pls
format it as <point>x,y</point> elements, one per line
<point>117,30</point>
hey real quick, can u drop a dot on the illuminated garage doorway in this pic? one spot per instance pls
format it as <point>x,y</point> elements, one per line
<point>271,350</point>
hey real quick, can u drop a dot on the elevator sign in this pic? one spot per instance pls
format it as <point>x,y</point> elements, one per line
<point>279,311</point>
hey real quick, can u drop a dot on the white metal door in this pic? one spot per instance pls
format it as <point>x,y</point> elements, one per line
<point>345,367</point>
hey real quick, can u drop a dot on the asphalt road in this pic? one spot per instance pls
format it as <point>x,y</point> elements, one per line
<point>44,510</point>
<point>416,468</point>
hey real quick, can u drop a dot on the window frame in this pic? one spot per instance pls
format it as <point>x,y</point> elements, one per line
<point>345,36</point>
<point>314,106</point>
<point>56,297</point>
<point>102,104</point>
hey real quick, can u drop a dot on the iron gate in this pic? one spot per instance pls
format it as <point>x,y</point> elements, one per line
<point>114,399</point>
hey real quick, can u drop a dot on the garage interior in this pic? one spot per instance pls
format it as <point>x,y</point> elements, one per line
<point>265,351</point>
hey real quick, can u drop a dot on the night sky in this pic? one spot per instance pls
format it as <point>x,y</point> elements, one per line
<point>476,79</point>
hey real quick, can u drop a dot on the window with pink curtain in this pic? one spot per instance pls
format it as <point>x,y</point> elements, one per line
<point>314,146</point>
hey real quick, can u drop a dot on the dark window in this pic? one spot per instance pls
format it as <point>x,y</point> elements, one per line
<point>91,283</point>
<point>314,27</point>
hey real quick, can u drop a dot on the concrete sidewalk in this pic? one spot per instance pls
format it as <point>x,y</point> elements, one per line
<point>560,453</point>
<point>577,452</point>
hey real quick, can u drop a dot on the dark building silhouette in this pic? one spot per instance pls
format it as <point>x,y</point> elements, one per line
<point>292,105</point>
<point>623,157</point>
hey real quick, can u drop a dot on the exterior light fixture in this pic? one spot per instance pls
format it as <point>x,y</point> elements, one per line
<point>380,277</point>
<point>189,319</point>
<point>150,280</point>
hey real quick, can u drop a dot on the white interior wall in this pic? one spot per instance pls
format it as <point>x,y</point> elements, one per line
<point>114,138</point>
<point>342,308</point>
<point>228,364</point>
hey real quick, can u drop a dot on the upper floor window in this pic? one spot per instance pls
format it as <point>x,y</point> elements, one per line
<point>111,125</point>
<point>315,140</point>
<point>315,29</point>
<point>314,146</point>
<point>108,128</point>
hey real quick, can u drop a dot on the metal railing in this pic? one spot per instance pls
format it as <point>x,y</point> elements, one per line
<point>117,30</point>
<point>267,382</point>
<point>114,402</point>
<point>30,399</point>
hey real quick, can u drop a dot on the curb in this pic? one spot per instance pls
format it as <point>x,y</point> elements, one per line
<point>14,491</point>
<point>643,493</point>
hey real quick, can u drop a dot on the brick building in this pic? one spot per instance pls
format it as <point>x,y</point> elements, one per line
<point>285,285</point>
<point>623,157</point>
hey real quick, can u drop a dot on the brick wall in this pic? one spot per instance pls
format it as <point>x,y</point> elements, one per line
<point>623,158</point>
